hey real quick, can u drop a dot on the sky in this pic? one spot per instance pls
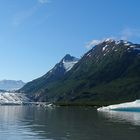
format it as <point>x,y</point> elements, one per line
<point>37,34</point>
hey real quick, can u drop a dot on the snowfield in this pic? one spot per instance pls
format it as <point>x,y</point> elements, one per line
<point>68,65</point>
<point>12,98</point>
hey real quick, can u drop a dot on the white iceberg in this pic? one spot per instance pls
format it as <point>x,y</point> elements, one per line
<point>129,106</point>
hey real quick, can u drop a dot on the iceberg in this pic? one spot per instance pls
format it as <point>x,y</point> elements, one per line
<point>129,106</point>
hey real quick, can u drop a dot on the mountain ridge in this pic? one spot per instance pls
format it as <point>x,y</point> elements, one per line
<point>39,85</point>
<point>109,72</point>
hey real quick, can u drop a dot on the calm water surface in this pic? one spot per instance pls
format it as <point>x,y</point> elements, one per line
<point>67,123</point>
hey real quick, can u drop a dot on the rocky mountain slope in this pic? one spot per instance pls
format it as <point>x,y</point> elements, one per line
<point>109,72</point>
<point>37,88</point>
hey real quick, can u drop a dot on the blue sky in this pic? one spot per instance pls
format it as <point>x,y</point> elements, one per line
<point>36,34</point>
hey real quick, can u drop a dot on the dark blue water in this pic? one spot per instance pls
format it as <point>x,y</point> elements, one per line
<point>67,123</point>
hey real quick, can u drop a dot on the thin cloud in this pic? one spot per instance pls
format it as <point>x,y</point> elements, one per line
<point>92,43</point>
<point>95,42</point>
<point>23,16</point>
<point>129,33</point>
<point>125,34</point>
<point>44,1</point>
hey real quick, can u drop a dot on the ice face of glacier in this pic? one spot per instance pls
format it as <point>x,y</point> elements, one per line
<point>129,106</point>
<point>12,98</point>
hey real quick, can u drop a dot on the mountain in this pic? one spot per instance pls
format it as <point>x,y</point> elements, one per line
<point>37,88</point>
<point>11,84</point>
<point>108,73</point>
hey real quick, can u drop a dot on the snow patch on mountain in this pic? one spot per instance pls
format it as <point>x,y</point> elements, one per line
<point>109,40</point>
<point>89,54</point>
<point>104,47</point>
<point>69,64</point>
<point>127,44</point>
<point>117,42</point>
<point>110,44</point>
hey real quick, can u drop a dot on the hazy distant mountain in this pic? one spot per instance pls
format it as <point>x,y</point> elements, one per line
<point>109,72</point>
<point>11,84</point>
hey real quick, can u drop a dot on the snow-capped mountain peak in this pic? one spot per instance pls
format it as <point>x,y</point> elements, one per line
<point>110,44</point>
<point>110,47</point>
<point>68,62</point>
<point>109,40</point>
<point>68,65</point>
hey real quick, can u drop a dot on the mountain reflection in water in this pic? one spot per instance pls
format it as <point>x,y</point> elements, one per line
<point>66,123</point>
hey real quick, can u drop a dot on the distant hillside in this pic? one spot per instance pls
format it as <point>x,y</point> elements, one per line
<point>109,72</point>
<point>11,84</point>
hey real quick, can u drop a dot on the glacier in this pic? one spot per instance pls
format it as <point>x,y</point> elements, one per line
<point>129,106</point>
<point>12,98</point>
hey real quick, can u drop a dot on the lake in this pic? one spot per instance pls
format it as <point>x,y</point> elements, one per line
<point>67,123</point>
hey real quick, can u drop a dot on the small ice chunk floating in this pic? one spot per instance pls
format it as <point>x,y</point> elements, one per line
<point>129,106</point>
